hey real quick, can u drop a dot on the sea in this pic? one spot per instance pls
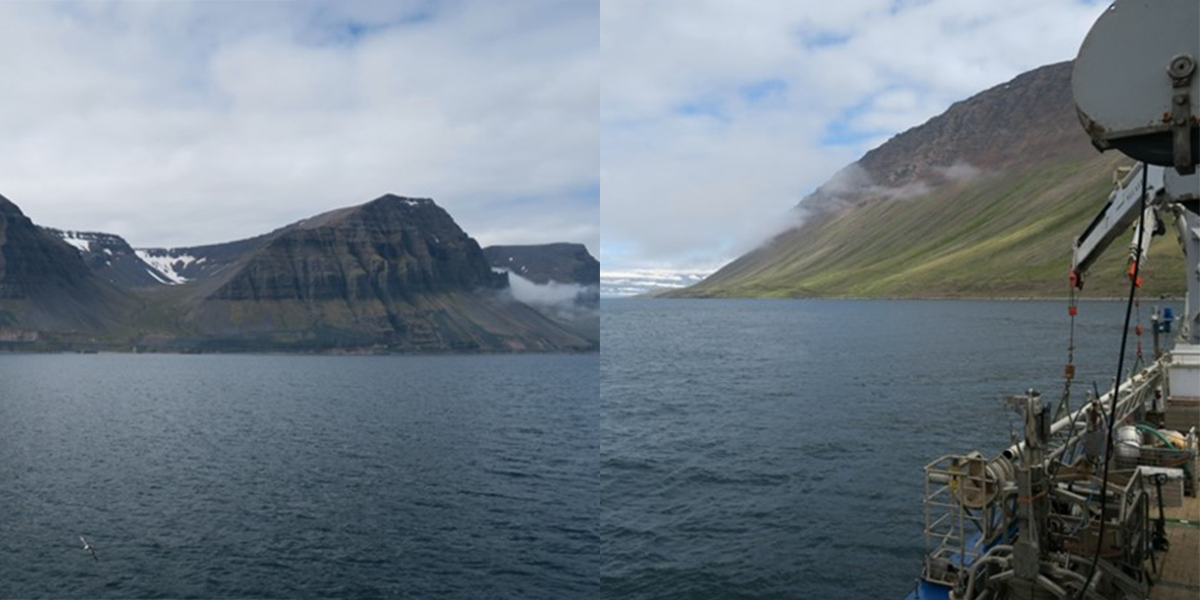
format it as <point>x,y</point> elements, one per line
<point>763,449</point>
<point>240,476</point>
<point>713,449</point>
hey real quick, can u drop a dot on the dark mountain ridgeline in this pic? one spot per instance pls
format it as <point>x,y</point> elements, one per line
<point>392,274</point>
<point>392,248</point>
<point>543,263</point>
<point>45,284</point>
<point>560,267</point>
<point>111,257</point>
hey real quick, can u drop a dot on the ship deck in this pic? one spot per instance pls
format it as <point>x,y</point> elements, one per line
<point>1179,574</point>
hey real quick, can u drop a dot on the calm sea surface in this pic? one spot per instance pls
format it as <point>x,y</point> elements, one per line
<point>774,449</point>
<point>714,449</point>
<point>303,477</point>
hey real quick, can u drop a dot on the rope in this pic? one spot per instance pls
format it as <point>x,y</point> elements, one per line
<point>1137,330</point>
<point>1112,413</point>
<point>1069,369</point>
<point>1064,404</point>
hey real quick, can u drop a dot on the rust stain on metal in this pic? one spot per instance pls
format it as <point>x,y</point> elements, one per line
<point>1093,128</point>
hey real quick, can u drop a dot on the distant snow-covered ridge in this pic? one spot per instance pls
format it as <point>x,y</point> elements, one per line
<point>168,264</point>
<point>634,282</point>
<point>114,259</point>
<point>83,240</point>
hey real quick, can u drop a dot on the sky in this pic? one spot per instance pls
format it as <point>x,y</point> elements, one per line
<point>718,117</point>
<point>184,123</point>
<point>668,136</point>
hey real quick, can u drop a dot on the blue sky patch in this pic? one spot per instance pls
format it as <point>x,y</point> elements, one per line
<point>761,91</point>
<point>711,108</point>
<point>822,39</point>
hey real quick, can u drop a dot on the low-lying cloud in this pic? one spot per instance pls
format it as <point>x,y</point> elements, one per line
<point>718,117</point>
<point>959,171</point>
<point>853,185</point>
<point>551,293</point>
<point>568,301</point>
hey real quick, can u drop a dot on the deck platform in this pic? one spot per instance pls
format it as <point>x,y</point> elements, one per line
<point>1179,568</point>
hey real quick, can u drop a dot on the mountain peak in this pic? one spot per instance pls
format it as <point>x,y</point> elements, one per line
<point>387,204</point>
<point>390,249</point>
<point>1017,124</point>
<point>390,198</point>
<point>1024,120</point>
<point>8,208</point>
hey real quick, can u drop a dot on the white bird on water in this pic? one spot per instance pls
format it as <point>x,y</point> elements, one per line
<point>88,548</point>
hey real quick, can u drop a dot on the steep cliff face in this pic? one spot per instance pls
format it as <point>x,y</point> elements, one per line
<point>391,248</point>
<point>45,284</point>
<point>30,260</point>
<point>543,263</point>
<point>1028,120</point>
<point>982,200</point>
<point>395,271</point>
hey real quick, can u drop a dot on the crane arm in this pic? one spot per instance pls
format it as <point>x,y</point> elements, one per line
<point>1115,218</point>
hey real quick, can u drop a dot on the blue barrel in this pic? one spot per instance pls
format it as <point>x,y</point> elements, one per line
<point>1163,325</point>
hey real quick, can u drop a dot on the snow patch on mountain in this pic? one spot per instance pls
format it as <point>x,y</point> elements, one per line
<point>81,240</point>
<point>168,265</point>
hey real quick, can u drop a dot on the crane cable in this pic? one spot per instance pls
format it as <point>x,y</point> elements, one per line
<point>1064,407</point>
<point>1064,404</point>
<point>1112,412</point>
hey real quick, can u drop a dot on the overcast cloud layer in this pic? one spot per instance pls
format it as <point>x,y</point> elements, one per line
<point>188,123</point>
<point>696,124</point>
<point>718,117</point>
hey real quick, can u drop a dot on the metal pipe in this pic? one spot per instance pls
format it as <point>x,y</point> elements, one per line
<point>1064,573</point>
<point>1016,450</point>
<point>1090,591</point>
<point>1005,576</point>
<point>993,555</point>
<point>1050,585</point>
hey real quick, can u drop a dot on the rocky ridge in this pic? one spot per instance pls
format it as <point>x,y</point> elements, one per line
<point>393,274</point>
<point>45,284</point>
<point>543,263</point>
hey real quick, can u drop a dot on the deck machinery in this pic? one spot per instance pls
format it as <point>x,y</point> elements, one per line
<point>1073,510</point>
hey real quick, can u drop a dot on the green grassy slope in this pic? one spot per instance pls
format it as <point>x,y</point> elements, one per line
<point>1002,234</point>
<point>1005,231</point>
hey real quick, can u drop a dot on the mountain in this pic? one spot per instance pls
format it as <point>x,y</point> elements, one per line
<point>111,257</point>
<point>181,265</point>
<point>543,263</point>
<point>983,200</point>
<point>561,280</point>
<point>393,274</point>
<point>46,286</point>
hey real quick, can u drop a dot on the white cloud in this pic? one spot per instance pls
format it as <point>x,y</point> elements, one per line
<point>697,167</point>
<point>551,293</point>
<point>959,171</point>
<point>185,123</point>
<point>702,122</point>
